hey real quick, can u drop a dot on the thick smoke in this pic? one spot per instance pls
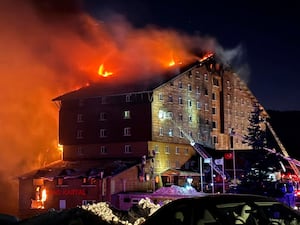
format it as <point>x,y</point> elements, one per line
<point>52,47</point>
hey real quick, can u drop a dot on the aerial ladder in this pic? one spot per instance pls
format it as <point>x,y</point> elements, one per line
<point>202,152</point>
<point>293,163</point>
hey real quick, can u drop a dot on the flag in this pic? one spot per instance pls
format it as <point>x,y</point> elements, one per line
<point>207,160</point>
<point>219,161</point>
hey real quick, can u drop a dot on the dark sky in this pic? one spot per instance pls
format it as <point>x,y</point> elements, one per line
<point>267,34</point>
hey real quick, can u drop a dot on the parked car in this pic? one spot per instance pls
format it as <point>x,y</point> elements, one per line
<point>225,209</point>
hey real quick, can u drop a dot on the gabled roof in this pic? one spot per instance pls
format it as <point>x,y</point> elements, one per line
<point>80,169</point>
<point>111,86</point>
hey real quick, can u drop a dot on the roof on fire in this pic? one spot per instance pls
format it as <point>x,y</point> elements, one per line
<point>80,169</point>
<point>111,86</point>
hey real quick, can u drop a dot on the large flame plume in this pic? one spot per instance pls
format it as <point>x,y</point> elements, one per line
<point>51,47</point>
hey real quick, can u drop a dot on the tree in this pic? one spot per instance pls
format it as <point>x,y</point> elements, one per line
<point>256,136</point>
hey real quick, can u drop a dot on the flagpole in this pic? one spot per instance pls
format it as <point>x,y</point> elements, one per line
<point>212,176</point>
<point>201,174</point>
<point>223,170</point>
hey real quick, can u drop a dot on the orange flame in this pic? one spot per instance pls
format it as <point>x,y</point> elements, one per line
<point>44,195</point>
<point>103,73</point>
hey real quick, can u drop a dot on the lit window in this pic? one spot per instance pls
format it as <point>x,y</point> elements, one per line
<point>170,132</point>
<point>103,133</point>
<point>127,149</point>
<point>161,131</point>
<point>79,134</point>
<point>103,116</point>
<point>126,114</point>
<point>169,115</point>
<point>79,118</point>
<point>127,131</point>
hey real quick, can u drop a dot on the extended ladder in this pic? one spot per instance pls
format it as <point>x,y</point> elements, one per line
<point>203,153</point>
<point>284,151</point>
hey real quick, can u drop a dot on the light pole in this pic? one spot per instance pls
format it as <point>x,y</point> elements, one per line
<point>232,133</point>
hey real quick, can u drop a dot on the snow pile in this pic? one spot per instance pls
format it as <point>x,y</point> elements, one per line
<point>177,190</point>
<point>136,215</point>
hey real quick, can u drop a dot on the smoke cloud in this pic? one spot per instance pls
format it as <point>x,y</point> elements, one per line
<point>51,47</point>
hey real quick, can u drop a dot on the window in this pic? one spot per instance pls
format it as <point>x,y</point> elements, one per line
<point>170,98</point>
<point>214,124</point>
<point>190,133</point>
<point>215,139</point>
<point>127,131</point>
<point>103,100</point>
<point>181,134</point>
<point>103,150</point>
<point>228,84</point>
<point>167,150</point>
<point>128,98</point>
<point>160,96</point>
<point>62,204</point>
<point>169,115</point>
<point>170,132</point>
<point>198,105</point>
<point>180,84</point>
<point>213,110</point>
<point>215,82</point>
<point>161,131</point>
<point>205,92</point>
<point>103,116</point>
<point>205,77</point>
<point>81,102</point>
<point>190,118</point>
<point>79,134</point>
<point>228,98</point>
<point>79,118</point>
<point>180,117</point>
<point>156,149</point>
<point>177,151</point>
<point>126,114</point>
<point>206,107</point>
<point>86,202</point>
<point>197,90</point>
<point>189,102</point>
<point>213,96</point>
<point>186,151</point>
<point>79,151</point>
<point>127,149</point>
<point>180,102</point>
<point>103,133</point>
<point>189,87</point>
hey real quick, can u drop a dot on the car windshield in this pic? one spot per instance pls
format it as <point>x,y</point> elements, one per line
<point>256,213</point>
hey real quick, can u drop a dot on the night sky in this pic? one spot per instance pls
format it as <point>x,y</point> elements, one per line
<point>265,35</point>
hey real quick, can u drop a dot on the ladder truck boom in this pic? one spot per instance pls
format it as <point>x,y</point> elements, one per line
<point>283,150</point>
<point>203,153</point>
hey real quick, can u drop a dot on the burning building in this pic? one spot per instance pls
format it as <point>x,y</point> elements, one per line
<point>139,136</point>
